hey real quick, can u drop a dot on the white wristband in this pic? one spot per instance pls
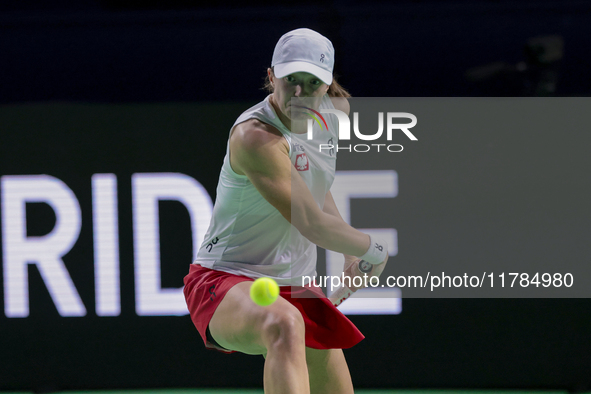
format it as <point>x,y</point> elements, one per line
<point>377,251</point>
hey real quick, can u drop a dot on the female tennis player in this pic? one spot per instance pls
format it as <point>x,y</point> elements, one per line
<point>273,207</point>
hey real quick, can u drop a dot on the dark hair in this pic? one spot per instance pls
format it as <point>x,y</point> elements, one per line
<point>334,90</point>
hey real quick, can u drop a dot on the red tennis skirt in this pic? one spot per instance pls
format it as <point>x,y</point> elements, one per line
<point>326,326</point>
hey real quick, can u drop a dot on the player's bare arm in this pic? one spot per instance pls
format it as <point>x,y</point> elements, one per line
<point>260,152</point>
<point>330,207</point>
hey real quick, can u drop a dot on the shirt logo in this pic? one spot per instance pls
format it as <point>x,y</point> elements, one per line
<point>301,163</point>
<point>298,147</point>
<point>312,115</point>
<point>210,245</point>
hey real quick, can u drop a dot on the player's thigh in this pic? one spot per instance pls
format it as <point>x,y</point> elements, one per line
<point>239,324</point>
<point>328,371</point>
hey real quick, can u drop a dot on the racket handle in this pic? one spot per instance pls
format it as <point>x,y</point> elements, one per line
<point>343,292</point>
<point>340,295</point>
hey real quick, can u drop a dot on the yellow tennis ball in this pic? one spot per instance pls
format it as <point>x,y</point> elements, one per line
<point>264,291</point>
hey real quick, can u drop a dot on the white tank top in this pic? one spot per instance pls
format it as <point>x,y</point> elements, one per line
<point>247,235</point>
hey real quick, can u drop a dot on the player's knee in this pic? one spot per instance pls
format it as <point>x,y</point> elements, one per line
<point>284,329</point>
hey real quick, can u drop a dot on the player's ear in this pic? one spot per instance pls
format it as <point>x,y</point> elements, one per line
<point>271,76</point>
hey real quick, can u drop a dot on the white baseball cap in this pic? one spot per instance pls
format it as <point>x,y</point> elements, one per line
<point>304,50</point>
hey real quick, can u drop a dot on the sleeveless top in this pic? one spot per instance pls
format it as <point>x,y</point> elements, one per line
<point>247,235</point>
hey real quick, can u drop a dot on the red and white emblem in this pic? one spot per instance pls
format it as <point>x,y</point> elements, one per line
<point>301,163</point>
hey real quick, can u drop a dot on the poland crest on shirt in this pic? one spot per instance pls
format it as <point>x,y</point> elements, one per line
<point>301,163</point>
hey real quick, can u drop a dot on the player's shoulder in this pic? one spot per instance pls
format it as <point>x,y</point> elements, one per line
<point>342,104</point>
<point>252,135</point>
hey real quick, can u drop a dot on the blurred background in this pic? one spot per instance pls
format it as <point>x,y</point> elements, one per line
<point>129,87</point>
